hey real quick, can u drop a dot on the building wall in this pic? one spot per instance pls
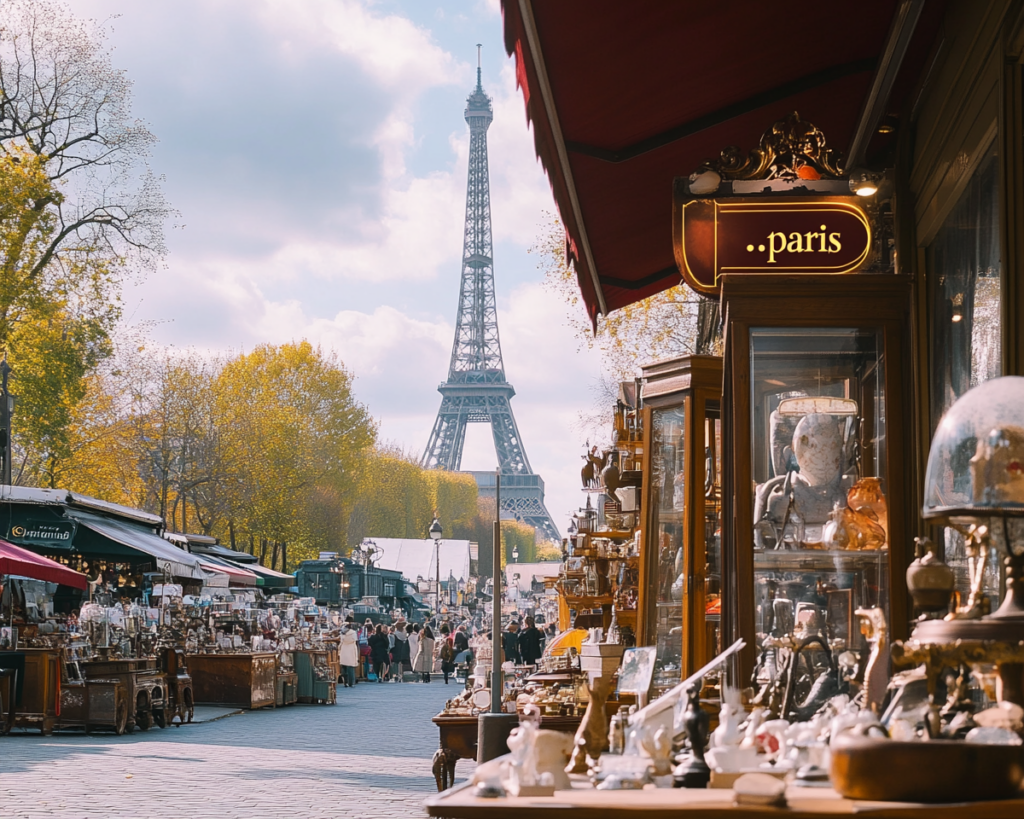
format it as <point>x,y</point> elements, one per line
<point>960,206</point>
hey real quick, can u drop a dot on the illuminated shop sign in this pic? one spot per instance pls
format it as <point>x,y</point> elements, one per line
<point>750,236</point>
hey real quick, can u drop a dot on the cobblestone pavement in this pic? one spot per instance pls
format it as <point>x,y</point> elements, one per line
<point>367,756</point>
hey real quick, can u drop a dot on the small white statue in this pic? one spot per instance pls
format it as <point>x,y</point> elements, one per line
<point>658,746</point>
<point>727,753</point>
<point>538,758</point>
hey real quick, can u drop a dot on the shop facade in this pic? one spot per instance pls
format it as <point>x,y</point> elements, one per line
<point>932,119</point>
<point>851,211</point>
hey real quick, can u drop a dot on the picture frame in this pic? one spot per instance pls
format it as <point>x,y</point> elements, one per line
<point>637,672</point>
<point>839,617</point>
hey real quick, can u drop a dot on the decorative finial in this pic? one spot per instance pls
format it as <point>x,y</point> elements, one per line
<point>479,64</point>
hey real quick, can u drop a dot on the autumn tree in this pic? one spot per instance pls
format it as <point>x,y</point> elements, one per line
<point>55,353</point>
<point>398,498</point>
<point>515,536</point>
<point>290,426</point>
<point>79,211</point>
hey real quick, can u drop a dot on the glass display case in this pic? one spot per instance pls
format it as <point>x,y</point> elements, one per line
<point>815,426</point>
<point>680,584</point>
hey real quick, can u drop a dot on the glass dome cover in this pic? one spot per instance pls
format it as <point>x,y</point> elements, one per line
<point>976,461</point>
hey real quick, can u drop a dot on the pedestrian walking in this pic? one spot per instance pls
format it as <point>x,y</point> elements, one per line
<point>348,653</point>
<point>510,643</point>
<point>425,654</point>
<point>446,654</point>
<point>531,643</point>
<point>365,663</point>
<point>463,651</point>
<point>414,640</point>
<point>400,658</point>
<point>379,653</point>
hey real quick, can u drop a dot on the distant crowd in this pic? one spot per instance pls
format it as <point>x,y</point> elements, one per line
<point>380,653</point>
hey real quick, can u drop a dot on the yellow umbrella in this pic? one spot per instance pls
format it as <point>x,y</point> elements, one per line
<point>558,646</point>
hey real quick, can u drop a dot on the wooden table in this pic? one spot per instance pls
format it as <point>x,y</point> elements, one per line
<point>583,802</point>
<point>234,680</point>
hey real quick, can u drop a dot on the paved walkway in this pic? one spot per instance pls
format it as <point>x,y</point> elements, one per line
<point>368,756</point>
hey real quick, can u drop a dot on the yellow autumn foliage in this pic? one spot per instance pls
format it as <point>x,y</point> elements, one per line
<point>398,498</point>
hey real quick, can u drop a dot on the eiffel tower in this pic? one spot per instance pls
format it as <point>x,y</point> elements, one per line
<point>476,391</point>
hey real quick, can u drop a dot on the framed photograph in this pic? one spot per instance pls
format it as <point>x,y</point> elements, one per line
<point>9,638</point>
<point>839,617</point>
<point>637,671</point>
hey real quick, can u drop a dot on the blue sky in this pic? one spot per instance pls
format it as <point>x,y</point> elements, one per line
<point>316,151</point>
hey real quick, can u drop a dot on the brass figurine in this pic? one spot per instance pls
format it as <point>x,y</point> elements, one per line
<point>592,735</point>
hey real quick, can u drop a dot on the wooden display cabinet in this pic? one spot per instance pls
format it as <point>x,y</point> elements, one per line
<point>234,680</point>
<point>814,405</point>
<point>680,559</point>
<point>39,705</point>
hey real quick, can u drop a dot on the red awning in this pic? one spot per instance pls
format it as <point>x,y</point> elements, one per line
<point>236,576</point>
<point>15,560</point>
<point>624,98</point>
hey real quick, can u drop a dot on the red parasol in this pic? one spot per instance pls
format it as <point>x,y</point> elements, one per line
<point>15,560</point>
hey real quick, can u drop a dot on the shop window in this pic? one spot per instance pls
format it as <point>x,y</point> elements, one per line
<point>965,290</point>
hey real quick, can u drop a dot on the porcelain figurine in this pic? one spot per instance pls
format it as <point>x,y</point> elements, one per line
<point>876,673</point>
<point>657,744</point>
<point>727,753</point>
<point>551,752</point>
<point>693,770</point>
<point>524,775</point>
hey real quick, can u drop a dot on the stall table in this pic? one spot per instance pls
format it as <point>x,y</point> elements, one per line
<point>144,683</point>
<point>584,802</point>
<point>235,680</point>
<point>317,675</point>
<point>36,697</point>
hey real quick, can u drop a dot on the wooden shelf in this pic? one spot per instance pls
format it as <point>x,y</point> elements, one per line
<point>609,535</point>
<point>811,560</point>
<point>590,601</point>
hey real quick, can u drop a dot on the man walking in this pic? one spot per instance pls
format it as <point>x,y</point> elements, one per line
<point>510,642</point>
<point>531,643</point>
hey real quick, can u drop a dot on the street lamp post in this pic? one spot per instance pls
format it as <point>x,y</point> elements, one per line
<point>435,533</point>
<point>367,552</point>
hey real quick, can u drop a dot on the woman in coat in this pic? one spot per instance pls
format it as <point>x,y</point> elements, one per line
<point>425,654</point>
<point>400,658</point>
<point>380,654</point>
<point>348,654</point>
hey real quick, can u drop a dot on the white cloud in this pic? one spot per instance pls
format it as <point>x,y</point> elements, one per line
<point>398,54</point>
